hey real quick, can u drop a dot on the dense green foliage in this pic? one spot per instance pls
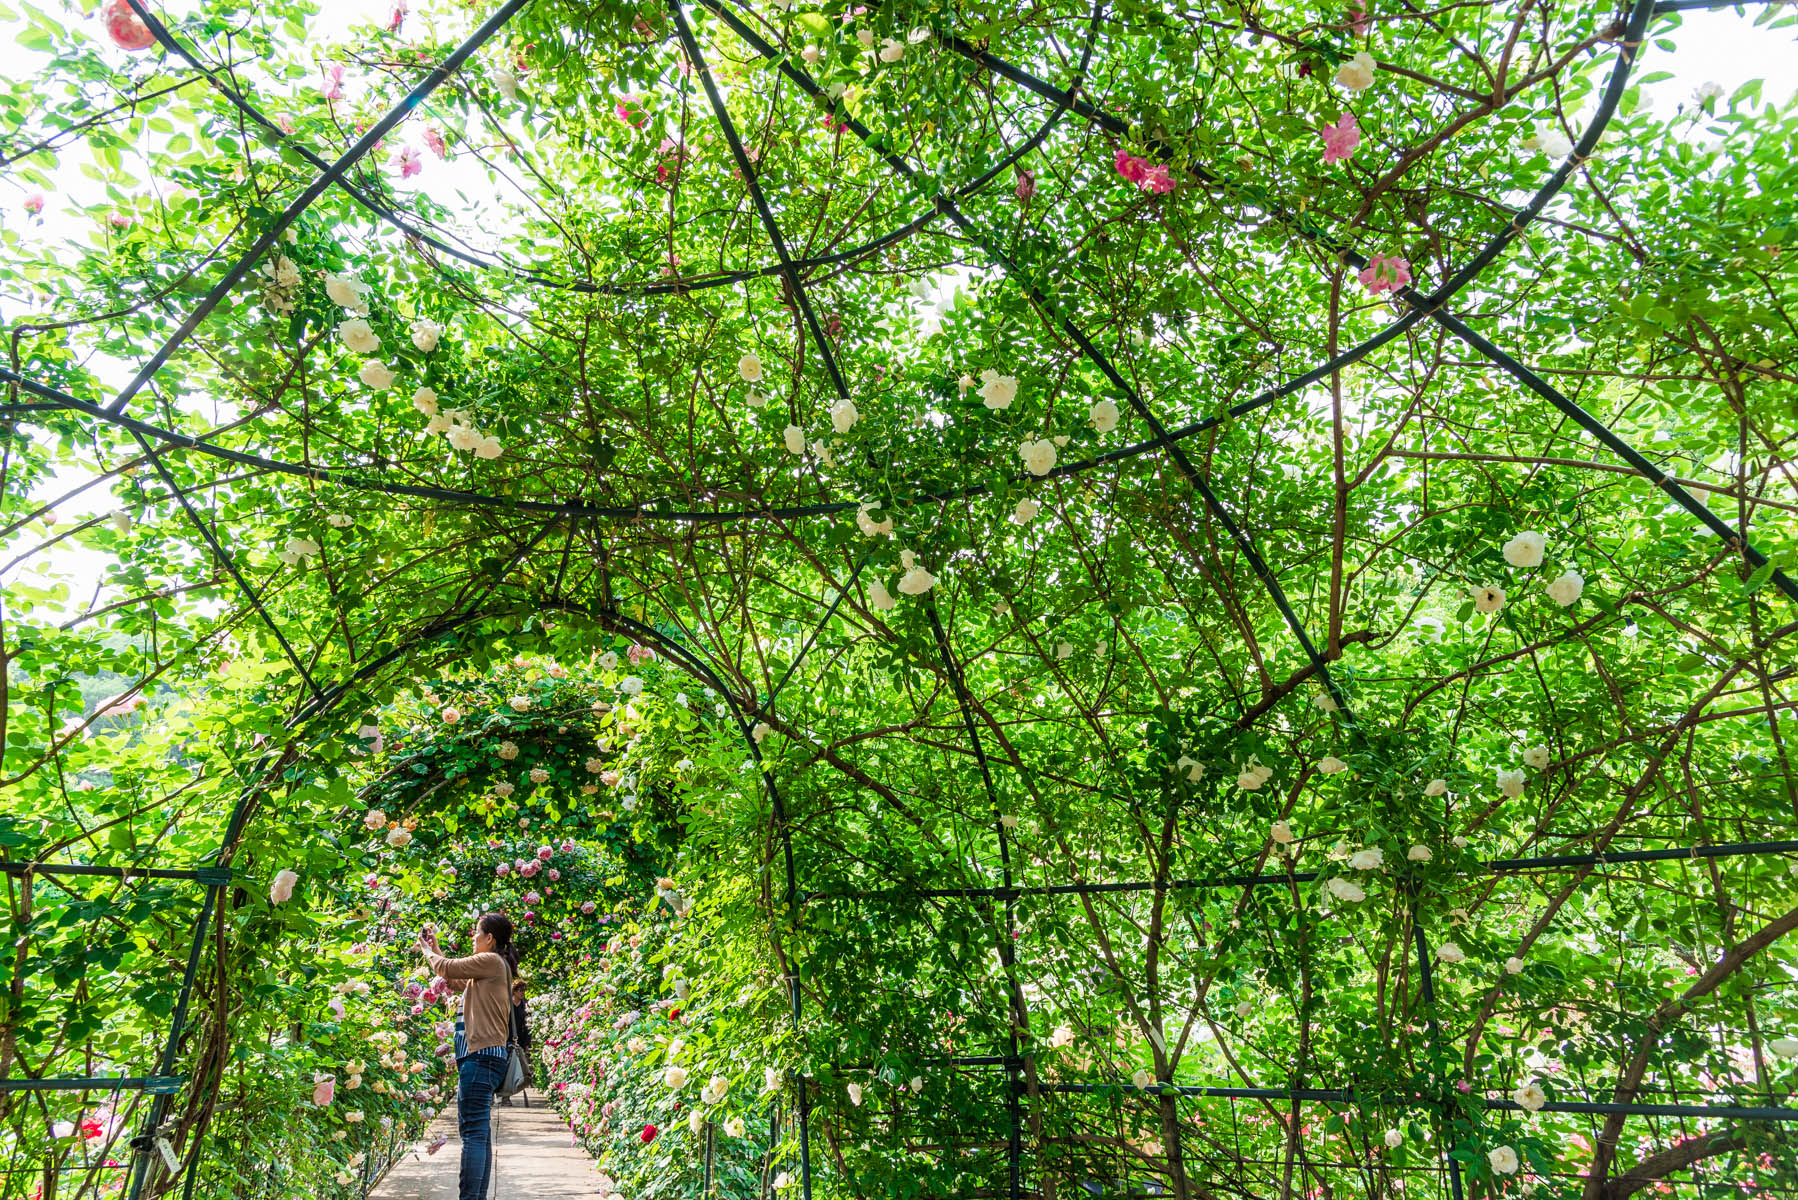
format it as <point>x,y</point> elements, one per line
<point>1055,501</point>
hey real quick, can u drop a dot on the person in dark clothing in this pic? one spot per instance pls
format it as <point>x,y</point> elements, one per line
<point>523,1027</point>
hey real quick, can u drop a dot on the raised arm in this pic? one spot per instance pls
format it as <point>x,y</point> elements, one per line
<point>475,966</point>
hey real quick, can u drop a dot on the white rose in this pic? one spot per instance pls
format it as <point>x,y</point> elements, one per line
<point>1249,781</point>
<point>488,447</point>
<point>519,703</point>
<point>1566,590</point>
<point>1331,765</point>
<point>1525,550</point>
<point>1394,1139</point>
<point>1503,1160</point>
<point>1143,1078</point>
<point>464,437</point>
<point>734,1127</point>
<point>1436,787</point>
<point>630,685</point>
<point>1357,73</point>
<point>1784,1047</point>
<point>1025,512</point>
<point>1530,1097</point>
<point>399,837</point>
<point>1370,859</point>
<point>1342,889</point>
<point>301,547</point>
<point>843,415</point>
<point>1550,141</point>
<point>1488,599</point>
<point>346,293</point>
<point>855,1094</point>
<point>1448,952</point>
<point>916,580</point>
<point>794,438</point>
<point>608,661</point>
<point>695,1120</point>
<point>374,820</point>
<point>356,334</point>
<point>426,334</point>
<point>891,50</point>
<point>997,391</point>
<point>509,751</point>
<point>868,525</point>
<point>1420,853</point>
<point>1104,416</point>
<point>750,368</point>
<point>865,37</point>
<point>1282,833</point>
<point>376,374</point>
<point>879,598</point>
<point>674,1077</point>
<point>762,729</point>
<point>1245,1009</point>
<point>1195,770</point>
<point>917,1084</point>
<point>1536,757</point>
<point>506,82</point>
<point>1511,783</point>
<point>1513,965</point>
<point>539,775</point>
<point>1038,456</point>
<point>338,521</point>
<point>920,34</point>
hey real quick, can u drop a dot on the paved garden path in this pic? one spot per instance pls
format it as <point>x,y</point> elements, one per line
<point>535,1159</point>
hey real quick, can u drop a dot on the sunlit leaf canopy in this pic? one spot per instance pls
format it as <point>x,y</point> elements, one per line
<point>1005,417</point>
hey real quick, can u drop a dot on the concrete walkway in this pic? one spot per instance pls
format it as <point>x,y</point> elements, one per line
<point>534,1157</point>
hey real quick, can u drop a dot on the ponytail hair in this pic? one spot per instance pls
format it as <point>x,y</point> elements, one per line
<point>498,926</point>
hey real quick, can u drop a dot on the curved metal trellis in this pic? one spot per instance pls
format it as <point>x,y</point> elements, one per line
<point>1165,439</point>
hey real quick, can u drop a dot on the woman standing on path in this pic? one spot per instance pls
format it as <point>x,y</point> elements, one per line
<point>480,1038</point>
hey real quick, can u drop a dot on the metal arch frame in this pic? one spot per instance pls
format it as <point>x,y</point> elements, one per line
<point>323,702</point>
<point>170,43</point>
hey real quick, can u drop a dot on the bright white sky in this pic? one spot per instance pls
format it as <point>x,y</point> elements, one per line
<point>1721,47</point>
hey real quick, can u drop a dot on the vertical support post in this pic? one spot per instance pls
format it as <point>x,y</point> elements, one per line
<point>1014,999</point>
<point>705,1190</point>
<point>1421,946</point>
<point>145,1143</point>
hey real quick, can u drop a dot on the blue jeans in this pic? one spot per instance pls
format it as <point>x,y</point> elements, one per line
<point>476,1077</point>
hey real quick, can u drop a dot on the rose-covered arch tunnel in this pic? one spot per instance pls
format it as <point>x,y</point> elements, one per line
<point>992,629</point>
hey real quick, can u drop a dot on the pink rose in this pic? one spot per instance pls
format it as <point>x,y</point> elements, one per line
<point>554,875</point>
<point>1341,138</point>
<point>323,1091</point>
<point>125,27</point>
<point>544,853</point>
<point>34,204</point>
<point>503,870</point>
